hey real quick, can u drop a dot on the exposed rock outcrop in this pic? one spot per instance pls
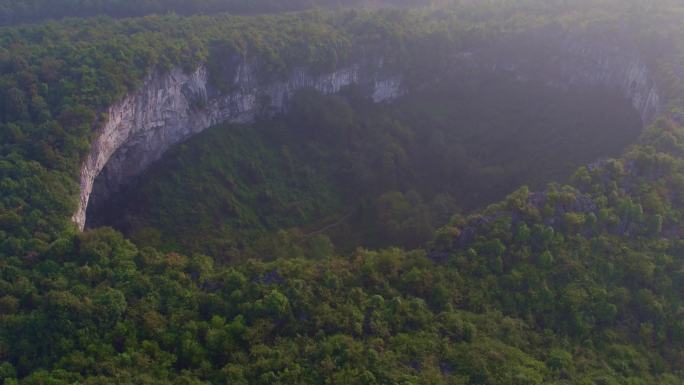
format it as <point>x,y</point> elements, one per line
<point>171,107</point>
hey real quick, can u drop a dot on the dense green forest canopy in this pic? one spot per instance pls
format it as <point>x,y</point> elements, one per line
<point>574,284</point>
<point>21,11</point>
<point>566,284</point>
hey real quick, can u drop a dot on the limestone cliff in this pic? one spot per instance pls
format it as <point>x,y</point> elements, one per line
<point>173,106</point>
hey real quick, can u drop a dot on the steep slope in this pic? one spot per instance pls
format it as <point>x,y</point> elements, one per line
<point>173,107</point>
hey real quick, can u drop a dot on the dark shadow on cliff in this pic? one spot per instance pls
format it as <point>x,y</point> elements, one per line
<point>393,172</point>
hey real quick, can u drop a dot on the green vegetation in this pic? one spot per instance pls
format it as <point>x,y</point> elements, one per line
<point>574,284</point>
<point>17,11</point>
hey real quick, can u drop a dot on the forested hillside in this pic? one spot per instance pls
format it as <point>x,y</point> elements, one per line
<point>345,242</point>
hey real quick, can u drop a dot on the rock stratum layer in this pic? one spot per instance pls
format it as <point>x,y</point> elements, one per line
<point>171,107</point>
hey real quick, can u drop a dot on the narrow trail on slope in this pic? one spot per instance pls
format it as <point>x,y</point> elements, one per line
<point>328,227</point>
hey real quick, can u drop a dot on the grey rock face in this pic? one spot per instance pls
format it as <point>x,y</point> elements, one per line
<point>169,108</point>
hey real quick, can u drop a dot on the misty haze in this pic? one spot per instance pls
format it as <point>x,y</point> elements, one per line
<point>342,192</point>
